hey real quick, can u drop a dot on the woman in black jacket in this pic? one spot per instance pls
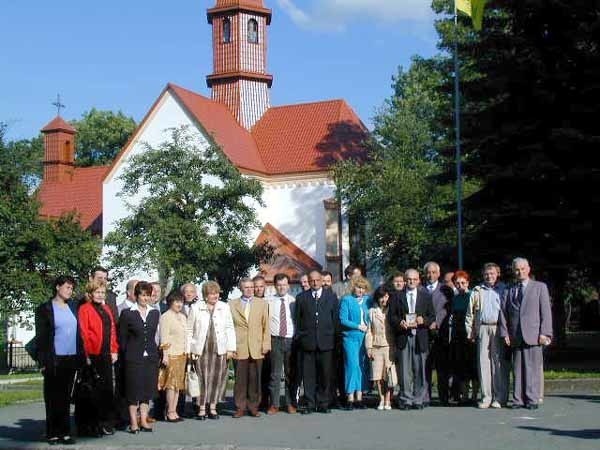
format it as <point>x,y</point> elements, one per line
<point>137,340</point>
<point>59,355</point>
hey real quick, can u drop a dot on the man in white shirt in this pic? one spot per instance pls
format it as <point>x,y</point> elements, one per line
<point>190,296</point>
<point>281,311</point>
<point>130,297</point>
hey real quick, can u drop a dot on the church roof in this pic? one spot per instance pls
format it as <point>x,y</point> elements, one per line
<point>308,137</point>
<point>82,194</point>
<point>287,257</point>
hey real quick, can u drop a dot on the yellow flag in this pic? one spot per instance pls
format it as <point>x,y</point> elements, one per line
<point>473,9</point>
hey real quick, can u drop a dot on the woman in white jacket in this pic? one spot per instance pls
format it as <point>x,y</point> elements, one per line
<point>211,343</point>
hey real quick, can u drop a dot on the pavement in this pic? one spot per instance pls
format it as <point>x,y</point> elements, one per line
<point>565,421</point>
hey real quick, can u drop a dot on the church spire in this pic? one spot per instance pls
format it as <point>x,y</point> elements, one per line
<point>239,79</point>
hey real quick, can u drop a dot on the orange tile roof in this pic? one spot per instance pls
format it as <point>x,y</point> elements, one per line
<point>83,194</point>
<point>218,121</point>
<point>309,137</point>
<point>58,123</point>
<point>287,257</point>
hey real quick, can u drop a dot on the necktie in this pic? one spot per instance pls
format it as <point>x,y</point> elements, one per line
<point>247,310</point>
<point>520,293</point>
<point>316,295</point>
<point>430,288</point>
<point>411,309</point>
<point>282,319</point>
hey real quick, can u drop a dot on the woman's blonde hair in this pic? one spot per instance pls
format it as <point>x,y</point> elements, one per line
<point>91,287</point>
<point>359,281</point>
<point>209,287</point>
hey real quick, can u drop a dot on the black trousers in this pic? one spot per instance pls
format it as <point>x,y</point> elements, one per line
<point>338,387</point>
<point>281,360</point>
<point>58,384</point>
<point>106,404</point>
<point>317,367</point>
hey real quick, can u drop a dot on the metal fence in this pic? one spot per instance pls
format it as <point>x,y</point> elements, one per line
<point>17,358</point>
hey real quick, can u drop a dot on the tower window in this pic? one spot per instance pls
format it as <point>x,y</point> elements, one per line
<point>226,31</point>
<point>253,31</point>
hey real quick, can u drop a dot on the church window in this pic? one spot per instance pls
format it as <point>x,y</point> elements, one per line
<point>253,31</point>
<point>226,31</point>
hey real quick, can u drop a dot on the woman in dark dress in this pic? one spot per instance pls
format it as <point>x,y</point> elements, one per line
<point>139,350</point>
<point>98,330</point>
<point>59,355</point>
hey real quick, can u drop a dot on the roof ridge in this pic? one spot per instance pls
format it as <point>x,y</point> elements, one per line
<point>333,100</point>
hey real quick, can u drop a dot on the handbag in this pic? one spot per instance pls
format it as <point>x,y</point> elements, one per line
<point>32,349</point>
<point>192,383</point>
<point>391,376</point>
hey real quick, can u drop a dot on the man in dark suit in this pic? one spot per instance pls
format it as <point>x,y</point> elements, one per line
<point>100,275</point>
<point>410,314</point>
<point>315,318</point>
<point>526,326</point>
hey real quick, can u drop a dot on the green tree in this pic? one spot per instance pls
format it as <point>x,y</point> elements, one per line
<point>194,216</point>
<point>33,251</point>
<point>100,136</point>
<point>395,192</point>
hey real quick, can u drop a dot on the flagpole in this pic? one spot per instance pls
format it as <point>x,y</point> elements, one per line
<point>457,135</point>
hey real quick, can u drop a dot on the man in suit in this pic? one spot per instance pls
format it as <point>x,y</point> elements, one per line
<point>129,297</point>
<point>526,326</point>
<point>435,358</point>
<point>315,319</point>
<point>410,315</point>
<point>253,341</point>
<point>100,275</point>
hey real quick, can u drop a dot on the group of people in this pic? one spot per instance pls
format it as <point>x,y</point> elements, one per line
<point>336,340</point>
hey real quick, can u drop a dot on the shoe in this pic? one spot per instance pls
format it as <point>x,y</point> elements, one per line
<point>496,405</point>
<point>324,410</point>
<point>306,411</point>
<point>146,429</point>
<point>132,430</point>
<point>150,419</point>
<point>516,406</point>
<point>388,407</point>
<point>360,405</point>
<point>67,440</point>
<point>349,406</point>
<point>177,419</point>
<point>381,406</point>
<point>213,416</point>
<point>107,431</point>
<point>254,413</point>
<point>419,406</point>
<point>238,413</point>
<point>292,409</point>
<point>53,441</point>
<point>404,407</point>
<point>532,406</point>
<point>272,410</point>
<point>201,417</point>
<point>483,405</point>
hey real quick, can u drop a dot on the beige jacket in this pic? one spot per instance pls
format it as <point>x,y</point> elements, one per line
<point>172,333</point>
<point>379,331</point>
<point>253,336</point>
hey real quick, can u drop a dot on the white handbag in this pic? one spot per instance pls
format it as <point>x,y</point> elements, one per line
<point>192,382</point>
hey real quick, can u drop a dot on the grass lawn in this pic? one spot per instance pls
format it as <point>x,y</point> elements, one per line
<point>564,374</point>
<point>21,392</point>
<point>16,376</point>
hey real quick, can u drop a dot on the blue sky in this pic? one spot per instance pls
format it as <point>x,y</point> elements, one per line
<point>119,54</point>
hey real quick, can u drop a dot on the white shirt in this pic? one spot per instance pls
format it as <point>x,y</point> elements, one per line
<point>274,310</point>
<point>411,304</point>
<point>432,286</point>
<point>318,291</point>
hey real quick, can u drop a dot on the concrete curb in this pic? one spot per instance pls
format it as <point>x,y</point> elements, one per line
<point>20,380</point>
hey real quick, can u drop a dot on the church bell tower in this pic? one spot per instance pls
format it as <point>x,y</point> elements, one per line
<point>239,79</point>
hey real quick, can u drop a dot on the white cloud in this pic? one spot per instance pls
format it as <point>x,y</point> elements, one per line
<point>336,14</point>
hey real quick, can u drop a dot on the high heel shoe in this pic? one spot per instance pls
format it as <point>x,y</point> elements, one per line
<point>146,429</point>
<point>133,430</point>
<point>213,416</point>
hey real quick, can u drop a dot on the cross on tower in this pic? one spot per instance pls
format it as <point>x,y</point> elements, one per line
<point>58,105</point>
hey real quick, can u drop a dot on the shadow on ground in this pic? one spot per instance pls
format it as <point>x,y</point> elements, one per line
<point>24,430</point>
<point>579,434</point>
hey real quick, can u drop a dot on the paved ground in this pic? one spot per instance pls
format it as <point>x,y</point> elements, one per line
<point>570,421</point>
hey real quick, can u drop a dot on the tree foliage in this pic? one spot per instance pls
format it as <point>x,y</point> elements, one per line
<point>34,251</point>
<point>531,98</point>
<point>395,192</point>
<point>192,214</point>
<point>100,136</point>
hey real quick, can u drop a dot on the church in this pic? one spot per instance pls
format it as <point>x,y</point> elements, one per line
<point>288,148</point>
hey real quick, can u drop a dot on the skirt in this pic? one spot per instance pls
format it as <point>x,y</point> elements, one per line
<point>140,380</point>
<point>173,376</point>
<point>380,363</point>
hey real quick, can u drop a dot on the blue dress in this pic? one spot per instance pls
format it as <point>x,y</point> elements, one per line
<point>353,311</point>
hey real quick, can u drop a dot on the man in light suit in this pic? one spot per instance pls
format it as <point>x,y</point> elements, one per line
<point>315,321</point>
<point>412,339</point>
<point>253,340</point>
<point>526,326</point>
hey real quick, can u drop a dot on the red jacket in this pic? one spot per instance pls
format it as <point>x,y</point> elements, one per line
<point>90,325</point>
